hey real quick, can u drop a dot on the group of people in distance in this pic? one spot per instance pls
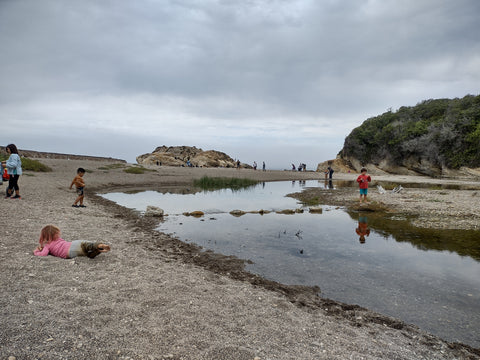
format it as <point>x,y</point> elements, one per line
<point>255,166</point>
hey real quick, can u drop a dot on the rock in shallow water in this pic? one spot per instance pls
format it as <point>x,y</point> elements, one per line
<point>154,211</point>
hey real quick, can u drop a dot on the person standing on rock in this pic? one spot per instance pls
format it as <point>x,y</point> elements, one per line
<point>14,169</point>
<point>363,180</point>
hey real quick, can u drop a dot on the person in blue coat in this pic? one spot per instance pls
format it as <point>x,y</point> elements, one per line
<point>14,169</point>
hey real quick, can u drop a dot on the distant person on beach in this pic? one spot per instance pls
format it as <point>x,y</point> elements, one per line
<point>50,242</point>
<point>254,165</point>
<point>14,170</point>
<point>263,166</point>
<point>238,164</point>
<point>80,186</point>
<point>363,180</point>
<point>330,172</point>
<point>362,230</point>
<point>293,167</point>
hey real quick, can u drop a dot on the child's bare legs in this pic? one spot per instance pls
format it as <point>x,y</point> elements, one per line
<point>91,249</point>
<point>79,199</point>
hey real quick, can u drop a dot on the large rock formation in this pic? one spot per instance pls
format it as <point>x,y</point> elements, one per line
<point>338,165</point>
<point>181,155</point>
<point>436,138</point>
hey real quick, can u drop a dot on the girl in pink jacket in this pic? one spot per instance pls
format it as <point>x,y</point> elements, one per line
<point>50,242</point>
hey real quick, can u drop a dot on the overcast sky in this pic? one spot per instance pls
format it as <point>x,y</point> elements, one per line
<point>274,81</point>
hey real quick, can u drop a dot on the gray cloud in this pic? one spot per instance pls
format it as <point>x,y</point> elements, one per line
<point>226,68</point>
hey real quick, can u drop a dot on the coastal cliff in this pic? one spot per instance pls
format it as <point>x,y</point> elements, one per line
<point>436,138</point>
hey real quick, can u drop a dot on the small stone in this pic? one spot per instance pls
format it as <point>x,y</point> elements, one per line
<point>12,358</point>
<point>197,213</point>
<point>286,212</point>
<point>154,211</point>
<point>237,213</point>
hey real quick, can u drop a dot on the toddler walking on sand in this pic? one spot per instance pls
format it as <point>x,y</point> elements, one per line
<point>80,185</point>
<point>50,242</point>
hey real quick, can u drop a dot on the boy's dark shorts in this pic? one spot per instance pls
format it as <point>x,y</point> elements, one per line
<point>80,191</point>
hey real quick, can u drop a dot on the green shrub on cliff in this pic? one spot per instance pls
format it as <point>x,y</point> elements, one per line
<point>444,132</point>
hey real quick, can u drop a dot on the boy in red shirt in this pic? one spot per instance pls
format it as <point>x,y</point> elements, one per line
<point>363,180</point>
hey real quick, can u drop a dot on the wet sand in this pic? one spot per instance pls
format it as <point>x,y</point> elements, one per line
<point>154,297</point>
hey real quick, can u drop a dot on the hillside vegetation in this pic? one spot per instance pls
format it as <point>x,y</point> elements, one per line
<point>443,133</point>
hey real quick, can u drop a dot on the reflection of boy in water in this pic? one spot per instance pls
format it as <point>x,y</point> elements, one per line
<point>362,229</point>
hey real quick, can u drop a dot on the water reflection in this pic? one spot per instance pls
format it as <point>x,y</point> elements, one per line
<point>395,272</point>
<point>362,229</point>
<point>462,242</point>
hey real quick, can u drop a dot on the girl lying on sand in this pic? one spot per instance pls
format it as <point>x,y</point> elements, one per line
<point>51,243</point>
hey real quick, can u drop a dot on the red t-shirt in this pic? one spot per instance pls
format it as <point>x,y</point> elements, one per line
<point>363,181</point>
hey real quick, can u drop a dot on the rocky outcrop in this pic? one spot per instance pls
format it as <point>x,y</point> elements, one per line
<point>185,155</point>
<point>338,165</point>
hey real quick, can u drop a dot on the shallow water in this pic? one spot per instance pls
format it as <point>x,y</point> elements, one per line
<point>430,278</point>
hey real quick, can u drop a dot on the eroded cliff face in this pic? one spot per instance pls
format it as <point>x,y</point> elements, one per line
<point>180,155</point>
<point>410,166</point>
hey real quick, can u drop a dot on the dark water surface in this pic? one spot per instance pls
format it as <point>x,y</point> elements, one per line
<point>430,278</point>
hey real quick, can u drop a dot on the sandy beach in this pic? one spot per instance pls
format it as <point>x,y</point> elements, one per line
<point>154,297</point>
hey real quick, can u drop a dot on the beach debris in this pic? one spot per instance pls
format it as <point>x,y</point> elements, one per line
<point>380,189</point>
<point>397,189</point>
<point>316,210</point>
<point>154,211</point>
<point>237,212</point>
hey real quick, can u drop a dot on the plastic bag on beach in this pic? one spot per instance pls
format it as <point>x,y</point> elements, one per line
<point>397,189</point>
